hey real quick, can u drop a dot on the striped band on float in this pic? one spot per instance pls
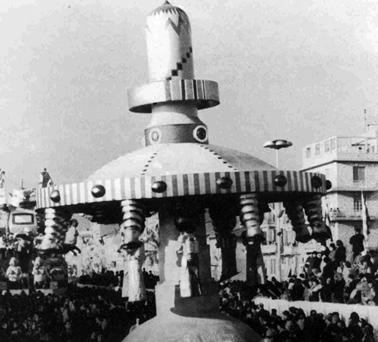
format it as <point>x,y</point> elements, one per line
<point>179,185</point>
<point>203,93</point>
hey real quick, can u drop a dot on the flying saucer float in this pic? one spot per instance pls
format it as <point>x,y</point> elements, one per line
<point>179,175</point>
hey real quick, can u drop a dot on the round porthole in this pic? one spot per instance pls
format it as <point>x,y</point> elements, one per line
<point>155,136</point>
<point>200,133</point>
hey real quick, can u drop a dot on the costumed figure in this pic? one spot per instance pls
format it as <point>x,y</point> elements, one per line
<point>13,274</point>
<point>189,280</point>
<point>151,245</point>
<point>133,278</point>
<point>70,241</point>
<point>132,227</point>
<point>39,273</point>
<point>45,179</point>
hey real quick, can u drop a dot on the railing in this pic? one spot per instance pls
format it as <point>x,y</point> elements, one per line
<point>338,215</point>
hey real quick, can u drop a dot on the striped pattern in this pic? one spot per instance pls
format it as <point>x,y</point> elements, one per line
<point>204,92</point>
<point>178,185</point>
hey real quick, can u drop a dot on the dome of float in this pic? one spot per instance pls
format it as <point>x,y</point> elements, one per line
<point>184,158</point>
<point>192,329</point>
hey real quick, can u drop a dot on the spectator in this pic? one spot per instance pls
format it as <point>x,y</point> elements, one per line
<point>3,247</point>
<point>71,238</point>
<point>340,255</point>
<point>292,325</point>
<point>332,252</point>
<point>79,315</point>
<point>357,242</point>
<point>314,289</point>
<point>327,290</point>
<point>338,288</point>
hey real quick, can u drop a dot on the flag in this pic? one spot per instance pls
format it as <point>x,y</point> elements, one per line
<point>327,218</point>
<point>3,197</point>
<point>364,216</point>
<point>2,178</point>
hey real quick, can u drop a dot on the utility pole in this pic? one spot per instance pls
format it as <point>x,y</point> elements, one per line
<point>365,120</point>
<point>277,145</point>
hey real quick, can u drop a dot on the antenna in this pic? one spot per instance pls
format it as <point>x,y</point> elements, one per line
<point>365,120</point>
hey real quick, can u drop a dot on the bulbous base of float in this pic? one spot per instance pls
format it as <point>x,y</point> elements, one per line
<point>174,328</point>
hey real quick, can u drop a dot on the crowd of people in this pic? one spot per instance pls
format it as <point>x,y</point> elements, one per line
<point>109,278</point>
<point>82,314</point>
<point>293,325</point>
<point>328,277</point>
<point>92,308</point>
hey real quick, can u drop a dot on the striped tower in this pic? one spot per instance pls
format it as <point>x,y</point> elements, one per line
<point>173,94</point>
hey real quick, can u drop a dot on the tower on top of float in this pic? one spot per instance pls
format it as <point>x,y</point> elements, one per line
<point>173,95</point>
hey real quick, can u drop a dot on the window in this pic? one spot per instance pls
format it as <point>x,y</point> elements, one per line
<point>23,219</point>
<point>269,235</point>
<point>326,146</point>
<point>308,152</point>
<point>285,237</point>
<point>358,173</point>
<point>357,205</point>
<point>317,149</point>
<point>272,266</point>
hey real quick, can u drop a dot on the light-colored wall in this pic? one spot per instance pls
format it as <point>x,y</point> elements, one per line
<point>341,175</point>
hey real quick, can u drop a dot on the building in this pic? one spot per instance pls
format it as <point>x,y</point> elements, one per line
<point>282,254</point>
<point>351,164</point>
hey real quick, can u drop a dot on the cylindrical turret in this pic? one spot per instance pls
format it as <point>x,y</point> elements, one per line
<point>173,96</point>
<point>169,44</point>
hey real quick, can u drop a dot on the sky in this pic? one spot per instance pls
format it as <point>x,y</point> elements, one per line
<point>294,69</point>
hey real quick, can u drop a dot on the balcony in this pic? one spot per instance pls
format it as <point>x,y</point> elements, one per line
<point>336,215</point>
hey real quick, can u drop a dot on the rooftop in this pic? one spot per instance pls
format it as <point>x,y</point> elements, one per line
<point>361,148</point>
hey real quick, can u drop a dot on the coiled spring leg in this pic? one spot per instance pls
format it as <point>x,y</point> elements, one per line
<point>313,210</point>
<point>132,227</point>
<point>250,218</point>
<point>56,224</point>
<point>294,211</point>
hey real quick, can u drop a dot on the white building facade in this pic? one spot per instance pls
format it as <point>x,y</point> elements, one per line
<point>351,164</point>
